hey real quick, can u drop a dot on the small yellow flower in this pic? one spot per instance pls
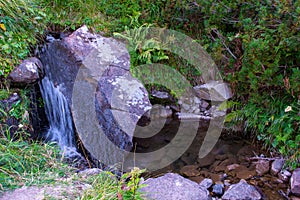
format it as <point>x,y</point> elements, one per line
<point>21,126</point>
<point>2,26</point>
<point>289,108</point>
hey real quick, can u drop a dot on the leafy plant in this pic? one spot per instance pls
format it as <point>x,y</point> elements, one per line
<point>107,186</point>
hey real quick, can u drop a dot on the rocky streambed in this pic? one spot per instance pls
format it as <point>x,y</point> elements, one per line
<point>234,167</point>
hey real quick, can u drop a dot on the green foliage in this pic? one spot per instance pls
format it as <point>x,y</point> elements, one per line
<point>278,127</point>
<point>107,186</point>
<point>255,44</point>
<point>17,111</point>
<point>21,22</point>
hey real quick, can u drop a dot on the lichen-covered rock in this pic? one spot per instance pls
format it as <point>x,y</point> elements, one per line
<point>92,72</point>
<point>28,72</point>
<point>173,187</point>
<point>213,91</point>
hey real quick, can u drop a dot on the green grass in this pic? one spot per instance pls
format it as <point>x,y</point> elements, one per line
<point>107,186</point>
<point>23,164</point>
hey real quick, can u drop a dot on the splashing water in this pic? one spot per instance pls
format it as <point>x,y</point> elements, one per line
<point>59,116</point>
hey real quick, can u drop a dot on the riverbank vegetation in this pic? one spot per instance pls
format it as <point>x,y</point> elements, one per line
<point>255,45</point>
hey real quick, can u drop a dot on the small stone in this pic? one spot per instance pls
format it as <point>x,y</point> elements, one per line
<point>206,161</point>
<point>284,175</point>
<point>185,106</point>
<point>232,167</point>
<point>90,172</point>
<point>206,183</point>
<point>220,168</point>
<point>197,100</point>
<point>262,167</point>
<point>190,170</point>
<point>277,166</point>
<point>227,183</point>
<point>197,111</point>
<point>196,179</point>
<point>245,174</point>
<point>204,104</point>
<point>215,177</point>
<point>221,157</point>
<point>218,189</point>
<point>295,182</point>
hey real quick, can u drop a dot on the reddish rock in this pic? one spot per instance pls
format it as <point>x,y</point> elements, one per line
<point>206,161</point>
<point>262,167</point>
<point>28,72</point>
<point>245,174</point>
<point>190,170</point>
<point>232,167</point>
<point>221,157</point>
<point>197,179</point>
<point>220,168</point>
<point>215,177</point>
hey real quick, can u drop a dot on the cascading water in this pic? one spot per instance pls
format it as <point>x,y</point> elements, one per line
<point>59,116</point>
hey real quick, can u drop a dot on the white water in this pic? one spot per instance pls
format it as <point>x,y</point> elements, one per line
<point>59,116</point>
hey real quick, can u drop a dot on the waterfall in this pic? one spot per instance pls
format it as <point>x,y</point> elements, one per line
<point>59,116</point>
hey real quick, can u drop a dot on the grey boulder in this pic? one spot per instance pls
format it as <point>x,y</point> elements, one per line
<point>173,187</point>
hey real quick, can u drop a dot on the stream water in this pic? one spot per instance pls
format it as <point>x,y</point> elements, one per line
<point>59,117</point>
<point>229,149</point>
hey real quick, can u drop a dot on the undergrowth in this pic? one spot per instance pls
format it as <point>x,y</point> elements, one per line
<point>24,163</point>
<point>254,44</point>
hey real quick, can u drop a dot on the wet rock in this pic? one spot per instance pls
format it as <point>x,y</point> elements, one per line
<point>277,166</point>
<point>245,174</point>
<point>190,170</point>
<point>213,91</point>
<point>215,177</point>
<point>232,167</point>
<point>173,187</point>
<point>284,175</point>
<point>295,182</point>
<point>92,72</point>
<point>28,72</point>
<point>206,183</point>
<point>196,179</point>
<point>206,161</point>
<point>262,167</point>
<point>218,189</point>
<point>220,168</point>
<point>242,190</point>
<point>221,157</point>
<point>191,116</point>
<point>245,151</point>
<point>160,94</point>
